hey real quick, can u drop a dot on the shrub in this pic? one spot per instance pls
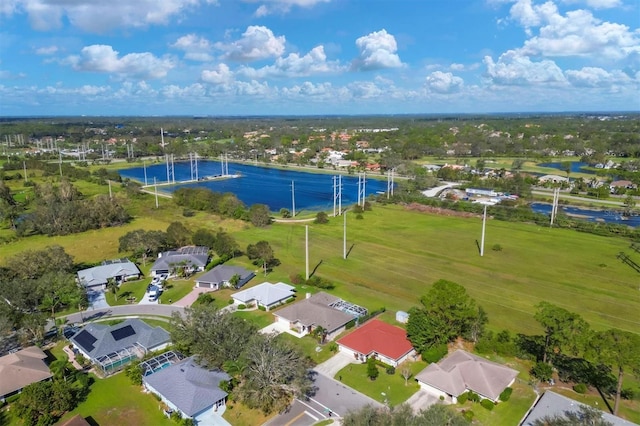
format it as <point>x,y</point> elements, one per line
<point>496,247</point>
<point>321,217</point>
<point>463,398</point>
<point>435,353</point>
<point>474,397</point>
<point>468,415</point>
<point>230,302</point>
<point>580,388</point>
<point>262,308</point>
<point>627,393</point>
<point>542,371</point>
<point>350,324</point>
<point>391,370</point>
<point>488,404</point>
<point>188,213</point>
<point>359,216</point>
<point>372,369</point>
<point>242,306</point>
<point>296,279</point>
<point>506,394</point>
<point>441,397</point>
<point>333,347</point>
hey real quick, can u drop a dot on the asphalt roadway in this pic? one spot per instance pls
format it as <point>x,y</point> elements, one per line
<point>124,310</point>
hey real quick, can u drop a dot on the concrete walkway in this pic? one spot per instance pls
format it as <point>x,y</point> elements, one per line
<point>334,364</point>
<point>188,300</point>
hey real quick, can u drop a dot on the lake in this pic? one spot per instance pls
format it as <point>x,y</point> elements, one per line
<point>263,185</point>
<point>608,216</point>
<point>576,167</point>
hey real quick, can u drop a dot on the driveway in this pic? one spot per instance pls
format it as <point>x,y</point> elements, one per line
<point>186,301</point>
<point>334,364</point>
<point>97,299</point>
<point>422,400</point>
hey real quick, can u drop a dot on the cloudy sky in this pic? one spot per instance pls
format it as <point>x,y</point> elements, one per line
<point>247,57</point>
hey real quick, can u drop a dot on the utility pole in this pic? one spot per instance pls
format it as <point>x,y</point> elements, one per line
<point>24,166</point>
<point>110,193</point>
<point>344,240</point>
<point>340,194</point>
<point>293,199</point>
<point>484,223</point>
<point>306,250</point>
<point>144,166</point>
<point>362,189</point>
<point>554,205</point>
<point>60,162</point>
<point>334,195</point>
<point>155,186</point>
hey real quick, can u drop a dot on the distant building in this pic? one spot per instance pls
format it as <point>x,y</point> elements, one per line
<point>119,269</point>
<point>220,277</point>
<point>195,258</point>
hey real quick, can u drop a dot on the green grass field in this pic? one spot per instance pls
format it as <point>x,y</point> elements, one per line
<point>395,255</point>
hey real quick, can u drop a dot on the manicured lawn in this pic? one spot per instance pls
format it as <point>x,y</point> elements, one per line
<point>175,289</point>
<point>115,401</point>
<point>505,413</point>
<point>308,345</point>
<point>260,318</point>
<point>387,387</point>
<point>127,290</point>
<point>239,415</point>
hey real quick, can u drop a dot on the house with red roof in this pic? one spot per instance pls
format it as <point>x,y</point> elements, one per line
<point>380,340</point>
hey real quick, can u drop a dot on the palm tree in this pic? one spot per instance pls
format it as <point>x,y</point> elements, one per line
<point>112,286</point>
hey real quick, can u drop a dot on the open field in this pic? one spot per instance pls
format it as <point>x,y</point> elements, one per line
<point>397,254</point>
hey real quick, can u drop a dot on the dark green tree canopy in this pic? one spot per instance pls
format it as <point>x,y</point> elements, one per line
<point>446,312</point>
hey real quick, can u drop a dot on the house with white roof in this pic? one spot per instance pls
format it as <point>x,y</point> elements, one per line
<point>267,295</point>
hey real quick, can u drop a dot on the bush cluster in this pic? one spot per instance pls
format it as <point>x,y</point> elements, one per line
<point>506,394</point>
<point>435,353</point>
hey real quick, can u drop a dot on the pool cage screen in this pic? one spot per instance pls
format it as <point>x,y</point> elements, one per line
<point>116,361</point>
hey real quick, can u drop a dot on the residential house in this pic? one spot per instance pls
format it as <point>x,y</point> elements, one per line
<point>267,295</point>
<point>553,179</point>
<point>191,390</point>
<point>192,258</point>
<point>315,311</point>
<point>22,368</point>
<point>461,372</point>
<point>379,340</point>
<point>619,185</point>
<point>220,277</point>
<point>119,269</point>
<point>552,404</point>
<point>112,347</point>
<point>76,420</point>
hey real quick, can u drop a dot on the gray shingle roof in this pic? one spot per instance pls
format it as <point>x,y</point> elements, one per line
<point>195,256</point>
<point>315,311</point>
<point>98,339</point>
<point>223,273</point>
<point>552,404</point>
<point>188,386</point>
<point>462,370</point>
<point>22,368</point>
<point>98,275</point>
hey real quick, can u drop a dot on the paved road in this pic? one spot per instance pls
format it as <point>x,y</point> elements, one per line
<point>125,310</point>
<point>573,197</point>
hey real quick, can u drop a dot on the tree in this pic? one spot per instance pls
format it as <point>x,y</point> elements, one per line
<point>403,415</point>
<point>33,264</point>
<point>276,373</point>
<point>406,374</point>
<point>321,218</point>
<point>372,369</point>
<point>42,403</point>
<point>618,350</point>
<point>285,213</point>
<point>225,245</point>
<point>143,243</point>
<point>178,235</point>
<point>113,286</point>
<point>203,237</point>
<point>447,312</point>
<point>584,416</point>
<point>565,166</point>
<point>211,334</point>
<point>542,371</point>
<point>259,215</point>
<point>477,326</point>
<point>60,289</point>
<point>562,330</point>
<point>262,254</point>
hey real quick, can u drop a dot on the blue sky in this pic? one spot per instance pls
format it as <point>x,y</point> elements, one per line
<point>248,57</point>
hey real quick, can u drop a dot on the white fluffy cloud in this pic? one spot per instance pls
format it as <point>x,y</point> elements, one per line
<point>46,50</point>
<point>598,77</point>
<point>269,7</point>
<point>102,58</point>
<point>576,33</point>
<point>515,69</point>
<point>220,75</point>
<point>256,43</point>
<point>195,48</point>
<point>377,51</point>
<point>99,16</point>
<point>313,63</point>
<point>443,82</point>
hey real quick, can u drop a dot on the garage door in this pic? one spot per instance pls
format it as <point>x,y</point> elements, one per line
<point>205,285</point>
